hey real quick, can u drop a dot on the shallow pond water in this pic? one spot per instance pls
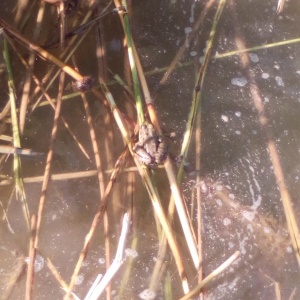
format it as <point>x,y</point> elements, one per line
<point>241,203</point>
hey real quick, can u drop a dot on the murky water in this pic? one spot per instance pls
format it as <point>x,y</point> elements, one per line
<point>241,203</point>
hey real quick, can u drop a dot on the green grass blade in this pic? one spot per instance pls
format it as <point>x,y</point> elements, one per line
<point>20,191</point>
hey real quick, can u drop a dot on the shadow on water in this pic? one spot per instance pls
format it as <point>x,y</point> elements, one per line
<point>241,202</point>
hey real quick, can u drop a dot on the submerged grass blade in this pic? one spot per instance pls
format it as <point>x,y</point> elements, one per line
<point>198,90</point>
<point>20,192</point>
<point>260,47</point>
<point>135,79</point>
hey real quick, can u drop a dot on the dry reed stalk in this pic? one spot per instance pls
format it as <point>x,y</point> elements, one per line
<point>159,264</point>
<point>276,287</point>
<point>5,111</point>
<point>292,296</point>
<point>101,51</point>
<point>198,197</point>
<point>30,268</point>
<point>51,147</point>
<point>94,144</point>
<point>62,176</point>
<point>51,150</point>
<point>188,41</point>
<point>211,276</point>
<point>21,7</point>
<point>271,145</point>
<point>56,274</point>
<point>31,61</point>
<point>99,213</point>
<point>280,6</point>
<point>100,180</point>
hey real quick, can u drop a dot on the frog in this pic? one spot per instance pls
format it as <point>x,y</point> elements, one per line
<point>151,149</point>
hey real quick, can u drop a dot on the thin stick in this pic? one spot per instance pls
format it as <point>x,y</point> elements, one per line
<point>49,157</point>
<point>51,150</point>
<point>56,274</point>
<point>211,276</point>
<point>118,261</point>
<point>198,195</point>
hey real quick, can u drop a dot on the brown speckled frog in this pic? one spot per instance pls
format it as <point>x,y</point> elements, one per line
<point>151,149</point>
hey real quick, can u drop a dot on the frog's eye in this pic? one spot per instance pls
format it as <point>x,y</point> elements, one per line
<point>143,126</point>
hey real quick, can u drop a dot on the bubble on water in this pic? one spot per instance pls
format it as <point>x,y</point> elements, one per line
<point>85,264</point>
<point>239,81</point>
<point>115,45</point>
<point>79,279</point>
<point>187,30</point>
<point>226,222</point>
<point>193,53</point>
<point>267,230</point>
<point>101,261</point>
<point>147,294</point>
<point>279,81</point>
<point>219,202</point>
<point>39,263</point>
<point>131,253</point>
<point>224,118</point>
<point>265,75</point>
<point>237,132</point>
<point>249,215</point>
<point>250,228</point>
<point>219,187</point>
<point>231,196</point>
<point>298,72</point>
<point>238,113</point>
<point>253,57</point>
<point>230,245</point>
